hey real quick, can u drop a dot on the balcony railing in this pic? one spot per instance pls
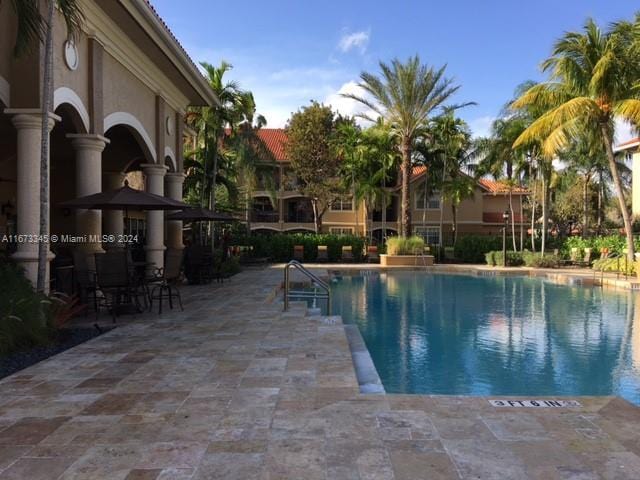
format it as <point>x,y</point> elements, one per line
<point>392,215</point>
<point>265,217</point>
<point>299,217</point>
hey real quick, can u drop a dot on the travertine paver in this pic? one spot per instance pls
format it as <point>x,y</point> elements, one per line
<point>233,388</point>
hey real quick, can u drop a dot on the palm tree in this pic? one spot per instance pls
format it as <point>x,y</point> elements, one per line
<point>405,95</point>
<point>499,159</point>
<point>447,151</point>
<point>33,26</point>
<point>456,189</point>
<point>593,80</point>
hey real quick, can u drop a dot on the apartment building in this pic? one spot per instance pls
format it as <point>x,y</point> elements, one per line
<point>278,206</point>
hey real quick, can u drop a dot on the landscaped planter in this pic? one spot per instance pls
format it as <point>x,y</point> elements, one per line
<point>405,260</point>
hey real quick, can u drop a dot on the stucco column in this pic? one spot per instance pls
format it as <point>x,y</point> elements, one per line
<point>113,220</point>
<point>155,219</point>
<point>88,150</point>
<point>174,183</point>
<point>28,123</point>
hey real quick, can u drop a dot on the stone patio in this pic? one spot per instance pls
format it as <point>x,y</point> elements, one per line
<point>233,388</point>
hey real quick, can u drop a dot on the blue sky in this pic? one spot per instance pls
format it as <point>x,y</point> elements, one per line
<point>289,52</point>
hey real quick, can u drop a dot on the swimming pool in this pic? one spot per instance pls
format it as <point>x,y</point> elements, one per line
<point>470,335</point>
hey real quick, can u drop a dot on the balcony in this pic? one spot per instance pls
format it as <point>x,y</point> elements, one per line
<point>299,217</point>
<point>265,217</point>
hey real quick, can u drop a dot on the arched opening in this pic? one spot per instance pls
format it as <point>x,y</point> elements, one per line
<point>121,161</point>
<point>8,177</point>
<point>63,171</point>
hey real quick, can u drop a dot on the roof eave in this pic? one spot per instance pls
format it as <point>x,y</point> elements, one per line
<point>178,56</point>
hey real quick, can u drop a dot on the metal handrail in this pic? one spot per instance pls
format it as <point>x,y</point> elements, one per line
<point>321,283</point>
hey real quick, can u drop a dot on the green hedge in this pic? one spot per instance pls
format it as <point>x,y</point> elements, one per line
<point>527,258</point>
<point>615,244</point>
<point>279,247</point>
<point>614,265</point>
<point>473,248</point>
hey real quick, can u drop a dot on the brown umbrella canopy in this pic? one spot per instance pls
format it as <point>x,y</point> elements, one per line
<point>200,214</point>
<point>125,198</point>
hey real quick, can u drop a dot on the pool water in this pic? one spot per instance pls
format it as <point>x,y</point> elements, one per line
<point>468,335</point>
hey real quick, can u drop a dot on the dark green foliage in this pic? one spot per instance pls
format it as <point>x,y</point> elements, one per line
<point>514,259</point>
<point>279,247</point>
<point>24,315</point>
<point>532,259</point>
<point>472,248</point>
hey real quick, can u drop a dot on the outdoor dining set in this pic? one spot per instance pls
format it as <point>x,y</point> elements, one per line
<point>115,279</point>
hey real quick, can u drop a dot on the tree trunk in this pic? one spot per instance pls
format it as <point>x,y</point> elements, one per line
<point>615,175</point>
<point>513,223</point>
<point>454,218</point>
<point>545,188</point>
<point>444,175</point>
<point>521,218</point>
<point>212,201</point>
<point>425,200</point>
<point>43,246</point>
<point>585,207</point>
<point>384,209</point>
<point>316,217</point>
<point>405,225</point>
<point>599,225</point>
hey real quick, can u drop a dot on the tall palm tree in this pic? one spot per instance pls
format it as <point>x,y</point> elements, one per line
<point>32,26</point>
<point>593,80</point>
<point>405,95</point>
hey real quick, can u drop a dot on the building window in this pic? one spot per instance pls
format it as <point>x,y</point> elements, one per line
<point>344,204</point>
<point>432,203</point>
<point>341,231</point>
<point>431,235</point>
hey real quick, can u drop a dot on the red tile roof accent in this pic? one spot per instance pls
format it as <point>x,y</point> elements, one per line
<point>499,187</point>
<point>274,139</point>
<point>630,143</point>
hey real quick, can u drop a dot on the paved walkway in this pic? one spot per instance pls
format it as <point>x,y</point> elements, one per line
<point>235,389</point>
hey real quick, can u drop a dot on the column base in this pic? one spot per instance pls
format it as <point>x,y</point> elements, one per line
<point>28,260</point>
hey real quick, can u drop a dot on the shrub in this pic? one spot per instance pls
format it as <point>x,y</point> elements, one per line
<point>490,258</point>
<point>23,312</point>
<point>614,265</point>
<point>514,259</point>
<point>405,245</point>
<point>473,248</point>
<point>279,247</point>
<point>533,259</point>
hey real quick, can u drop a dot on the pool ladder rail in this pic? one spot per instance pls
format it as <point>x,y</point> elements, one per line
<point>318,283</point>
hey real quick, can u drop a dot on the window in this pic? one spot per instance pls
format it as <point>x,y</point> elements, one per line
<point>341,231</point>
<point>431,235</point>
<point>342,205</point>
<point>433,202</point>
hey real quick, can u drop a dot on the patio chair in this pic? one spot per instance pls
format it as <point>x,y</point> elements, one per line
<point>167,281</point>
<point>198,265</point>
<point>298,252</point>
<point>84,272</point>
<point>372,254</point>
<point>323,254</point>
<point>113,279</point>
<point>347,253</point>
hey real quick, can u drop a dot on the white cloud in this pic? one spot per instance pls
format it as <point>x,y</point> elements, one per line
<point>347,106</point>
<point>624,131</point>
<point>481,126</point>
<point>354,40</point>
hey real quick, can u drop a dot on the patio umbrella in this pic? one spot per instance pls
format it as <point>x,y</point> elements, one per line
<point>124,198</point>
<point>200,214</point>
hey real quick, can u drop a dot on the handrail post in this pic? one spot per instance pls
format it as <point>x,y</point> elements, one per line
<point>286,287</point>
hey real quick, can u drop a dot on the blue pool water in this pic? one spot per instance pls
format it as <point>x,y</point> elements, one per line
<point>467,335</point>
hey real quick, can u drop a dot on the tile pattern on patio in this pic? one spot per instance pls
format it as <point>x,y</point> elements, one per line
<point>233,388</point>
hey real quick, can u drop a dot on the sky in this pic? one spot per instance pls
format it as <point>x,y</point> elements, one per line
<point>290,52</point>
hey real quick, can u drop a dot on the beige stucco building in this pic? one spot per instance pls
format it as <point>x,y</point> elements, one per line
<point>119,95</point>
<point>631,151</point>
<point>291,212</point>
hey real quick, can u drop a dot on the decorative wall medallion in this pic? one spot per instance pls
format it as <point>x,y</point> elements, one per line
<point>70,55</point>
<point>169,124</point>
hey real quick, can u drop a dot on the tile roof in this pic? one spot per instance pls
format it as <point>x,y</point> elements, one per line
<point>634,142</point>
<point>274,139</point>
<point>499,187</point>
